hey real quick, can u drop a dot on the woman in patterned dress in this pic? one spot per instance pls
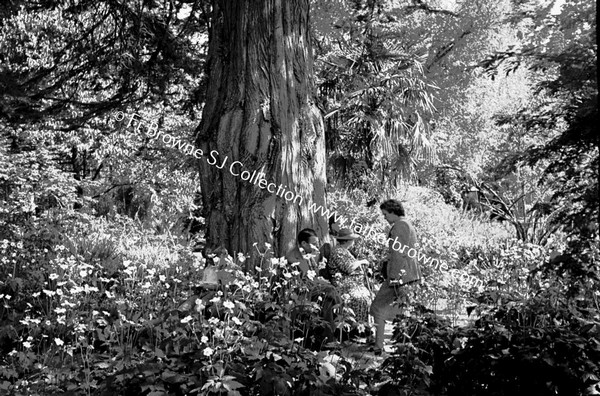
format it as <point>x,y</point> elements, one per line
<point>345,273</point>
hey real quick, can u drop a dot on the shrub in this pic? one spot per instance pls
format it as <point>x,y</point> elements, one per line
<point>148,328</point>
<point>474,250</point>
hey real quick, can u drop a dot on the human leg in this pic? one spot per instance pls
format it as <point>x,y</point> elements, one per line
<point>383,308</point>
<point>380,310</point>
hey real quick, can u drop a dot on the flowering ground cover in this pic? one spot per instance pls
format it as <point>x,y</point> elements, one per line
<point>114,311</point>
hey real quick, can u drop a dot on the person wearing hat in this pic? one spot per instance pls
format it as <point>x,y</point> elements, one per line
<point>346,275</point>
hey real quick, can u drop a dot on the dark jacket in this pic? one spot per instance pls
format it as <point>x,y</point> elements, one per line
<point>400,265</point>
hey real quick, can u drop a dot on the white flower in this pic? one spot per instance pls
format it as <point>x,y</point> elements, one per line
<point>204,339</point>
<point>89,289</point>
<point>53,276</point>
<point>228,304</point>
<point>26,345</point>
<point>186,319</point>
<point>236,321</point>
<point>199,305</point>
<point>59,342</point>
<point>208,351</point>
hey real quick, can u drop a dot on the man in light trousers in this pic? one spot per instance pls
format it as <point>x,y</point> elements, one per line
<point>401,269</point>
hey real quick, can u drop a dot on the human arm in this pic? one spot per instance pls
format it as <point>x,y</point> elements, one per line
<point>345,262</point>
<point>325,252</point>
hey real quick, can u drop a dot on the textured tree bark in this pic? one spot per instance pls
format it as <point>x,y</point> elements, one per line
<point>260,111</point>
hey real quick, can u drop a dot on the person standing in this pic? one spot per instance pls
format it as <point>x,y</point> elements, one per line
<point>401,269</point>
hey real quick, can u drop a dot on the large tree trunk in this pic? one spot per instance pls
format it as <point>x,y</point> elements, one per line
<point>260,111</point>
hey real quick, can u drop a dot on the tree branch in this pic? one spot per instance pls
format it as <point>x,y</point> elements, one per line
<point>420,5</point>
<point>445,50</point>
